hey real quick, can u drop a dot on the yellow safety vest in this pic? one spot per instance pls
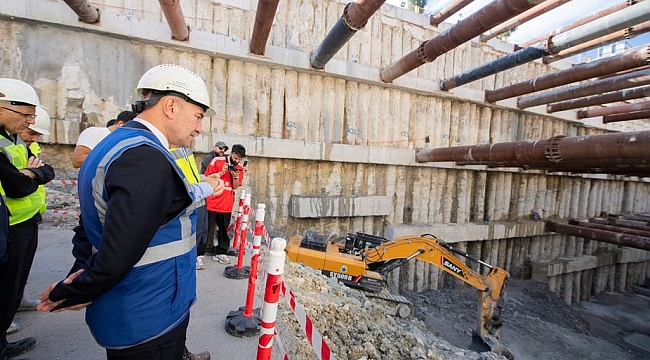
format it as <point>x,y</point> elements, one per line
<point>21,209</point>
<point>185,160</point>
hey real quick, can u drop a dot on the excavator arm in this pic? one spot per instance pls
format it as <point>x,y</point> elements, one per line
<point>392,254</point>
<point>363,261</point>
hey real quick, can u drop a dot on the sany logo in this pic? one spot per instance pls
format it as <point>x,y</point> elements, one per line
<point>451,266</point>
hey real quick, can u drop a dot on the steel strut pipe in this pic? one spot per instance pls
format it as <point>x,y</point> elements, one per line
<point>625,18</point>
<point>636,115</point>
<point>628,60</point>
<point>175,19</point>
<point>445,13</point>
<point>624,34</point>
<point>486,18</point>
<point>611,97</point>
<point>580,22</point>
<point>522,18</point>
<point>610,228</point>
<point>638,242</point>
<point>354,18</point>
<point>86,12</point>
<point>633,79</point>
<point>627,145</point>
<point>266,10</point>
<point>611,110</point>
<point>585,163</point>
<point>620,223</point>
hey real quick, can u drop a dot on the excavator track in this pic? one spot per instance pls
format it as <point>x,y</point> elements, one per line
<point>402,307</point>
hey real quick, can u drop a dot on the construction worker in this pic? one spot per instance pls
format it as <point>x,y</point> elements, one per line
<point>139,213</point>
<point>30,137</point>
<point>90,137</point>
<point>20,175</point>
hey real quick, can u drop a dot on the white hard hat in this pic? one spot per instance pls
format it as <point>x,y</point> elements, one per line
<point>42,124</point>
<point>169,77</point>
<point>17,91</point>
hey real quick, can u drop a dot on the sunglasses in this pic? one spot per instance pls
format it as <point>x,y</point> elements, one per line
<point>30,116</point>
<point>221,148</point>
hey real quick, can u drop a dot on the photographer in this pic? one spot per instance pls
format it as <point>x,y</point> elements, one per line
<point>229,169</point>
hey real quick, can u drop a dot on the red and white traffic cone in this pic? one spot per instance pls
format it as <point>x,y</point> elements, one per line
<point>246,321</point>
<point>240,271</point>
<point>274,270</point>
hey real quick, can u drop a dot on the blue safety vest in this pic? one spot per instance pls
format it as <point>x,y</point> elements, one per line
<point>156,294</point>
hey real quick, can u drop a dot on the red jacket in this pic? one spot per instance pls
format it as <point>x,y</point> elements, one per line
<point>223,203</point>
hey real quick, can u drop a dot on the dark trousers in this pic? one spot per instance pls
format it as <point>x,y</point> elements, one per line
<point>167,347</point>
<point>201,229</point>
<point>23,240</point>
<point>218,222</point>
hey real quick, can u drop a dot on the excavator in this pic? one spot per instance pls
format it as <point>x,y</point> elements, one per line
<point>362,261</point>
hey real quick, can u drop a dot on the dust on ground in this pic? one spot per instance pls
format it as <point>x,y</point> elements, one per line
<point>537,324</point>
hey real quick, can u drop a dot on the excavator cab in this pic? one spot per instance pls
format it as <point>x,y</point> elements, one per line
<point>358,243</point>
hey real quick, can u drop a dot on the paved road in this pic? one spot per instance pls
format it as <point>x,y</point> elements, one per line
<point>66,336</point>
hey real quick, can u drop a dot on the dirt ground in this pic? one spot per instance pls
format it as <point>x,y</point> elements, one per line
<point>537,325</point>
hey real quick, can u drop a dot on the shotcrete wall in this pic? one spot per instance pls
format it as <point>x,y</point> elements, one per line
<point>339,132</point>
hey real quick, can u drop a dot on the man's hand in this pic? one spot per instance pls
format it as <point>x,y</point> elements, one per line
<point>217,184</point>
<point>32,162</point>
<point>47,305</point>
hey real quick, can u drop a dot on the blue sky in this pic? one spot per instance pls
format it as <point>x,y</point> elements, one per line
<point>560,16</point>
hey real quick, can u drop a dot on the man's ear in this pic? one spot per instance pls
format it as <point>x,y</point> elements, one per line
<point>170,106</point>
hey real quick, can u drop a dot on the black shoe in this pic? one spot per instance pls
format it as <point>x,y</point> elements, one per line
<point>22,346</point>
<point>210,251</point>
<point>232,252</point>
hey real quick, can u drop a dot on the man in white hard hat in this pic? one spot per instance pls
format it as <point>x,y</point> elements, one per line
<point>20,175</point>
<point>30,136</point>
<point>139,215</point>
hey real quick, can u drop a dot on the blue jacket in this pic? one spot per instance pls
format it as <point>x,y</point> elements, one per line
<point>157,293</point>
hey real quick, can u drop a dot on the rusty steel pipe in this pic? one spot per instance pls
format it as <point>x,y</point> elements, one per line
<point>627,145</point>
<point>611,23</point>
<point>86,12</point>
<point>522,18</point>
<point>611,110</point>
<point>623,72</point>
<point>627,225</point>
<point>629,60</point>
<point>175,19</point>
<point>580,22</point>
<point>638,242</point>
<point>636,115</point>
<point>266,10</point>
<point>623,95</point>
<point>611,228</point>
<point>354,18</point>
<point>590,163</point>
<point>486,18</point>
<point>633,79</point>
<point>624,34</point>
<point>445,13</point>
<point>637,217</point>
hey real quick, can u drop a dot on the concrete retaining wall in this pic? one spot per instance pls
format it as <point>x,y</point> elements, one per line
<point>337,133</point>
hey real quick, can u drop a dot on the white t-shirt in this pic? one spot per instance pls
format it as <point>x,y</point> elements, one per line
<point>92,136</point>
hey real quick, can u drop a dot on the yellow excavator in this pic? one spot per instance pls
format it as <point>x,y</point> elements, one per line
<point>362,261</point>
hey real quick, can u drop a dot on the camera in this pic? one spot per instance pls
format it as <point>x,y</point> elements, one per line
<point>245,162</point>
<point>232,167</point>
